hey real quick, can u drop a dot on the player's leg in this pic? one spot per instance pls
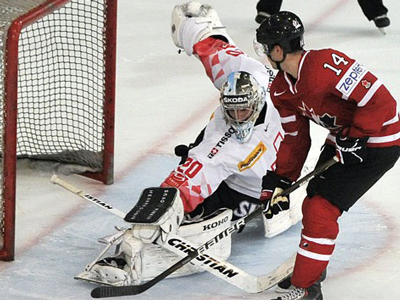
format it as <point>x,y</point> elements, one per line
<point>376,11</point>
<point>329,194</point>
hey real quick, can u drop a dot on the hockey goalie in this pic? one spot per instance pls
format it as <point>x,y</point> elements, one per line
<point>220,175</point>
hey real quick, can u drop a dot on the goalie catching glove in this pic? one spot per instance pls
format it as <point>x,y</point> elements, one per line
<point>272,186</point>
<point>193,22</point>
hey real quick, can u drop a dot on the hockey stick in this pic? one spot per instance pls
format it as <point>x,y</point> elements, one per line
<point>326,165</point>
<point>56,180</point>
<point>259,283</point>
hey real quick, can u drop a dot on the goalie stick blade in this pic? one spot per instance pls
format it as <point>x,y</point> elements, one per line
<point>106,292</point>
<point>116,291</point>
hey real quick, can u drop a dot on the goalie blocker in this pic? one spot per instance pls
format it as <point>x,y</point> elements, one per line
<point>158,213</point>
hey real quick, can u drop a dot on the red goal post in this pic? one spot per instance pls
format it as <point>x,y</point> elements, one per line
<point>58,92</point>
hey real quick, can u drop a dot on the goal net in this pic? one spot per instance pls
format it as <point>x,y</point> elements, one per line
<point>57,92</point>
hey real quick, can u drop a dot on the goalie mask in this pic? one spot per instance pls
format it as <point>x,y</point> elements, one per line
<point>242,100</point>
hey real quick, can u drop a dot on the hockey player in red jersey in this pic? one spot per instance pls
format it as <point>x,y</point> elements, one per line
<point>340,94</point>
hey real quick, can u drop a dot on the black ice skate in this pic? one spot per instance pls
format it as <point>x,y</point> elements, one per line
<point>382,22</point>
<point>286,286</point>
<point>311,293</point>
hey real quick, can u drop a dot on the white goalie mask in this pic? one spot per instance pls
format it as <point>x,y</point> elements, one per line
<point>242,100</point>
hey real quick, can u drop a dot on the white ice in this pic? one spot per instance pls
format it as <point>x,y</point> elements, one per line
<point>164,99</point>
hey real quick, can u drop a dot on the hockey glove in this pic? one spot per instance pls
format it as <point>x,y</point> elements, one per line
<point>183,152</point>
<point>193,22</point>
<point>350,150</point>
<point>272,186</point>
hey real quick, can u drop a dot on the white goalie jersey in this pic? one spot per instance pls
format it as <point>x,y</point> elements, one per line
<point>218,156</point>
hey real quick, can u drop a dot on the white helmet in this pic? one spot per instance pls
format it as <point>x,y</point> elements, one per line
<point>242,100</point>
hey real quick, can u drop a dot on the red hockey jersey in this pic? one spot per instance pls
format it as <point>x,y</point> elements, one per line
<point>334,91</point>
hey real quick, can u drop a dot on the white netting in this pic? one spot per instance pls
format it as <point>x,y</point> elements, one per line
<point>61,83</point>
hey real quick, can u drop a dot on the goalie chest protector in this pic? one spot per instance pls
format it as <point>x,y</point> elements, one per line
<point>152,205</point>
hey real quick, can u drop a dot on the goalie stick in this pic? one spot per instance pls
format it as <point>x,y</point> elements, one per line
<point>69,187</point>
<point>257,284</point>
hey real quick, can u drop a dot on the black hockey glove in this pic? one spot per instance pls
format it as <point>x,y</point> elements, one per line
<point>350,150</point>
<point>182,151</point>
<point>272,186</point>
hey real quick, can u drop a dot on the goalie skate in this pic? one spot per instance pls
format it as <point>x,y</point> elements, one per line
<point>111,271</point>
<point>88,277</point>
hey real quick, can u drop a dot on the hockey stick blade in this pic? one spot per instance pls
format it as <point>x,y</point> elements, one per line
<point>104,292</point>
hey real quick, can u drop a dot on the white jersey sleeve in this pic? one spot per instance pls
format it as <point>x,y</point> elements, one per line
<point>220,59</point>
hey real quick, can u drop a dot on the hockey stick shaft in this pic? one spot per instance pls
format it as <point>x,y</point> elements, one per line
<point>317,171</point>
<point>103,292</point>
<point>69,187</point>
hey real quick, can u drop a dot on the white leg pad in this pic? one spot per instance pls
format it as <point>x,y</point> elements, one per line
<point>154,259</point>
<point>278,224</point>
<point>131,250</point>
<point>284,220</point>
<point>296,202</point>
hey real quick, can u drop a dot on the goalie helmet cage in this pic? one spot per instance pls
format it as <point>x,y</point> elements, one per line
<point>57,92</point>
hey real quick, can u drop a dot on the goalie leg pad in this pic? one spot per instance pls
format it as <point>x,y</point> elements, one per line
<point>148,260</point>
<point>278,224</point>
<point>284,220</point>
<point>131,250</point>
<point>193,22</point>
<point>156,259</point>
<point>145,233</point>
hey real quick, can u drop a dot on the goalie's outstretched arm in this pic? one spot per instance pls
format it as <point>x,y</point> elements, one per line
<point>198,30</point>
